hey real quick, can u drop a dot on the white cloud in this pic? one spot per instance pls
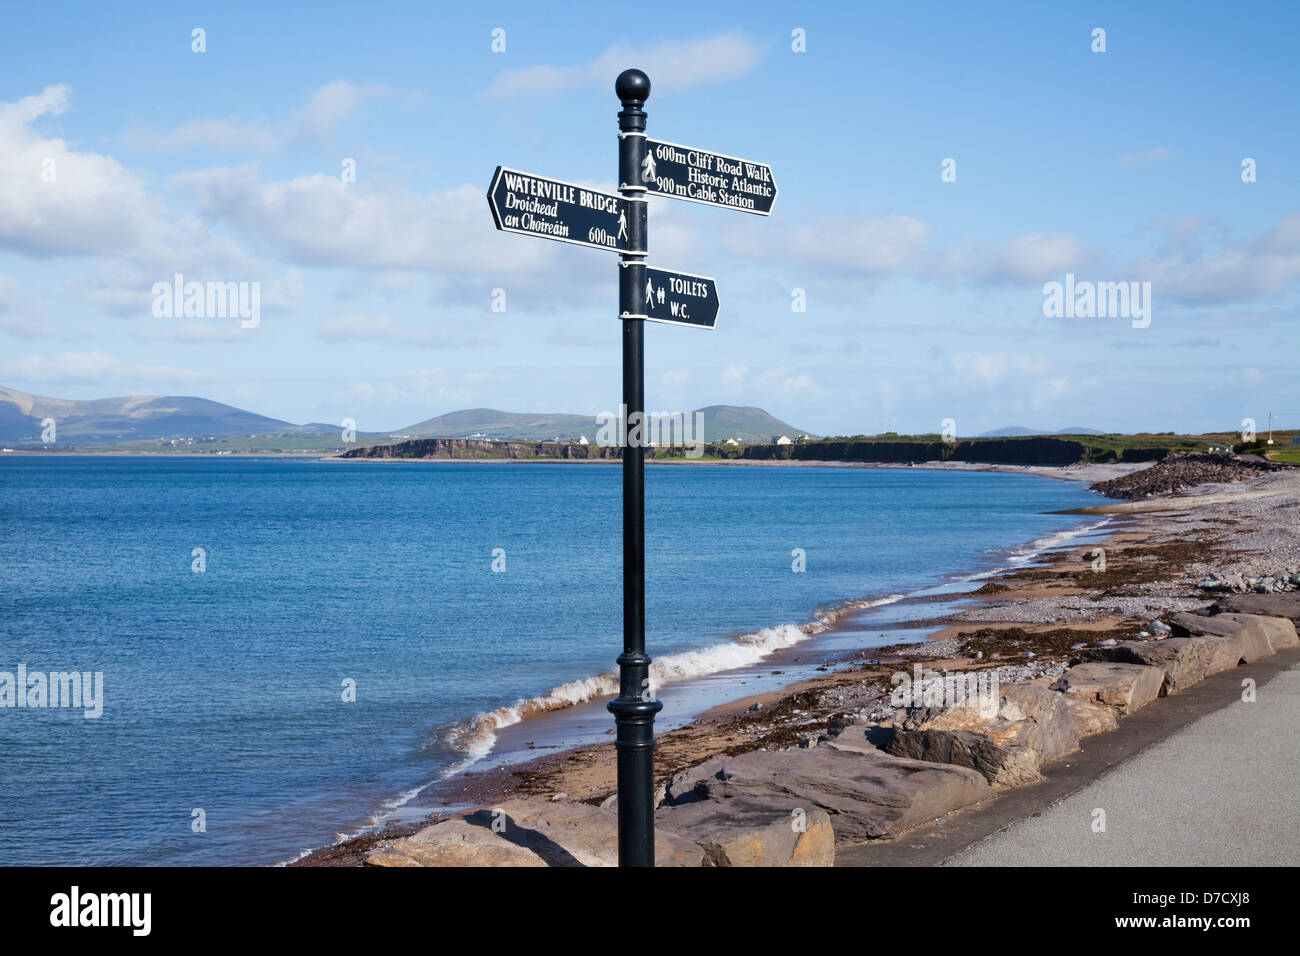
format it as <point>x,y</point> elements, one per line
<point>174,330</point>
<point>850,243</point>
<point>674,66</point>
<point>381,328</point>
<point>899,244</point>
<point>319,220</point>
<point>328,108</point>
<point>283,294</point>
<point>733,378</point>
<point>89,367</point>
<point>1159,154</point>
<point>125,287</point>
<point>223,136</point>
<point>331,105</point>
<point>990,369</point>
<point>785,382</point>
<point>17,316</point>
<point>1032,258</point>
<point>92,205</point>
<point>1264,265</point>
<point>432,390</point>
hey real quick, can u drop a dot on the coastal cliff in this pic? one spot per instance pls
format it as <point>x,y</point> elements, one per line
<point>473,448</point>
<point>1037,450</point>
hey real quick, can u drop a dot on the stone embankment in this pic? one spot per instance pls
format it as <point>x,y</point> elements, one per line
<point>863,781</point>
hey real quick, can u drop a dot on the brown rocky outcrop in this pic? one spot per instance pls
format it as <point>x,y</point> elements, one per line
<point>749,830</point>
<point>1248,633</point>
<point>1124,687</point>
<point>867,794</point>
<point>1007,744</point>
<point>529,833</point>
<point>1183,660</point>
<point>1269,605</point>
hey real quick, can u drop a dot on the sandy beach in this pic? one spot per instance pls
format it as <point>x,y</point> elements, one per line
<point>1153,560</point>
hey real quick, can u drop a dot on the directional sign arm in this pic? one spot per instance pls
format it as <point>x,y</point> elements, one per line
<point>698,175</point>
<point>553,209</point>
<point>680,298</point>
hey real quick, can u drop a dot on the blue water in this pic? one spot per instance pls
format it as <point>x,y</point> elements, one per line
<point>223,690</point>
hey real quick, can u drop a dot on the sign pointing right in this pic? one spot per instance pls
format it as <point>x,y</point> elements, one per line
<point>698,175</point>
<point>680,298</point>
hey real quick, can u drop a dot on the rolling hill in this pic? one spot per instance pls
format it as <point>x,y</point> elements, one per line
<point>721,422</point>
<point>153,418</point>
<point>506,426</point>
<point>133,418</point>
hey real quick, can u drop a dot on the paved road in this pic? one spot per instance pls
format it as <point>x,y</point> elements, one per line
<point>1222,791</point>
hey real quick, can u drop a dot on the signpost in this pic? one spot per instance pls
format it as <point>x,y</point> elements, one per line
<point>698,175</point>
<point>552,209</point>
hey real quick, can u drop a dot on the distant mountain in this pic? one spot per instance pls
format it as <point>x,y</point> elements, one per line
<point>1012,431</point>
<point>153,417</point>
<point>745,424</point>
<point>1019,431</point>
<point>134,418</point>
<point>506,426</point>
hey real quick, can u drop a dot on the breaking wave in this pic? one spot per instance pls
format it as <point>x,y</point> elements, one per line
<point>1019,557</point>
<point>475,738</point>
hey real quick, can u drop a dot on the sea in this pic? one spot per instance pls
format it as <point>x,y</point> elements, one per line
<point>289,651</point>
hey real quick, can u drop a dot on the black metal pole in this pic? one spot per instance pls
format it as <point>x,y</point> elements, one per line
<point>635,707</point>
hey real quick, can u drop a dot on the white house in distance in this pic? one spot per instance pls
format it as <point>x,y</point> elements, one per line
<point>782,440</point>
<point>731,441</point>
<point>582,440</point>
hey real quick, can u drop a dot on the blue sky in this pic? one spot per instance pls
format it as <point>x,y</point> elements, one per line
<point>924,298</point>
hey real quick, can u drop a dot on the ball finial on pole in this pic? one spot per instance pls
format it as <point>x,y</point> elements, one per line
<point>632,86</point>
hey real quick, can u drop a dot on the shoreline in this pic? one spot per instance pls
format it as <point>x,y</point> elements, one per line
<point>808,663</point>
<point>1090,473</point>
<point>1024,621</point>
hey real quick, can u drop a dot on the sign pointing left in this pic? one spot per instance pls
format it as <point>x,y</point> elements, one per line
<point>551,209</point>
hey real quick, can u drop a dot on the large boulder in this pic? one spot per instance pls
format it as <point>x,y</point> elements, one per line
<point>1124,687</point>
<point>1184,660</point>
<point>1250,631</point>
<point>529,833</point>
<point>1279,632</point>
<point>1090,717</point>
<point>867,793</point>
<point>455,842</point>
<point>1285,604</point>
<point>745,830</point>
<point>1007,743</point>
